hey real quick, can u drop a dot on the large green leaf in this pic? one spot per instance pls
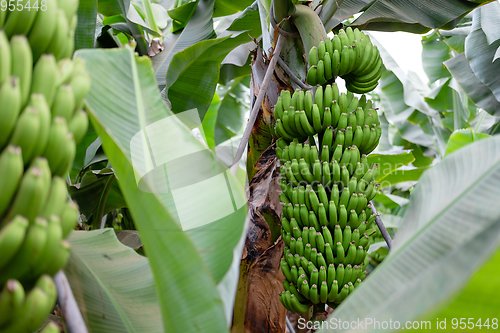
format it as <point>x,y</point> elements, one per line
<point>248,20</point>
<point>113,286</point>
<point>401,175</point>
<point>474,300</point>
<point>199,27</point>
<point>171,184</point>
<point>390,160</point>
<point>229,7</point>
<point>490,20</point>
<point>451,226</point>
<point>231,112</point>
<point>463,137</point>
<point>481,54</point>
<point>181,14</point>
<point>434,53</point>
<point>476,90</point>
<point>196,69</point>
<point>89,194</point>
<point>412,16</point>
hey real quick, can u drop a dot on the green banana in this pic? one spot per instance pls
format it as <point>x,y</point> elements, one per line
<point>37,100</point>
<point>56,45</point>
<point>57,198</point>
<point>22,65</point>
<point>320,73</point>
<point>69,7</point>
<point>11,301</point>
<point>45,76</point>
<point>328,66</point>
<point>313,56</point>
<point>52,245</point>
<point>80,84</point>
<point>31,194</point>
<point>69,217</point>
<point>58,134</point>
<point>11,238</point>
<point>43,29</point>
<point>25,258</point>
<point>64,103</point>
<point>60,260</point>
<point>46,284</point>
<point>11,164</point>
<point>32,314</point>
<point>66,69</point>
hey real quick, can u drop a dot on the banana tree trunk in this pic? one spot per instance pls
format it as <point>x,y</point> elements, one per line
<point>257,306</point>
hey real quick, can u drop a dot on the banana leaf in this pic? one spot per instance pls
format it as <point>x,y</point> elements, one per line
<point>113,286</point>
<point>200,27</point>
<point>411,16</point>
<point>463,137</point>
<point>450,229</point>
<point>481,53</point>
<point>190,234</point>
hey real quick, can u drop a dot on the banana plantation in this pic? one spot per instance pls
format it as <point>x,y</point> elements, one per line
<point>249,166</point>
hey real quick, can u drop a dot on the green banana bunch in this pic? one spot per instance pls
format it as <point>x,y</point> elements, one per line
<point>326,183</point>
<point>345,119</point>
<point>41,106</point>
<point>350,55</point>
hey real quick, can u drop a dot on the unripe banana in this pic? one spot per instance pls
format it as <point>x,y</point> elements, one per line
<point>11,301</point>
<point>31,194</point>
<point>22,65</point>
<point>64,103</point>
<point>52,245</point>
<point>11,164</point>
<point>22,263</point>
<point>56,45</point>
<point>38,101</point>
<point>320,73</point>
<point>69,217</point>
<point>43,29</point>
<point>313,56</point>
<point>57,198</point>
<point>69,7</point>
<point>45,76</point>
<point>58,135</point>
<point>312,75</point>
<point>11,239</point>
<point>46,284</point>
<point>60,260</point>
<point>32,314</point>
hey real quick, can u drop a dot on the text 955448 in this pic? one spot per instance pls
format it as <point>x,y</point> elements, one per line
<point>20,5</point>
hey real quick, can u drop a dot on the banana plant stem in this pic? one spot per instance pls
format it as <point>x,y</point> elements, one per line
<point>258,103</point>
<point>71,312</point>
<point>381,226</point>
